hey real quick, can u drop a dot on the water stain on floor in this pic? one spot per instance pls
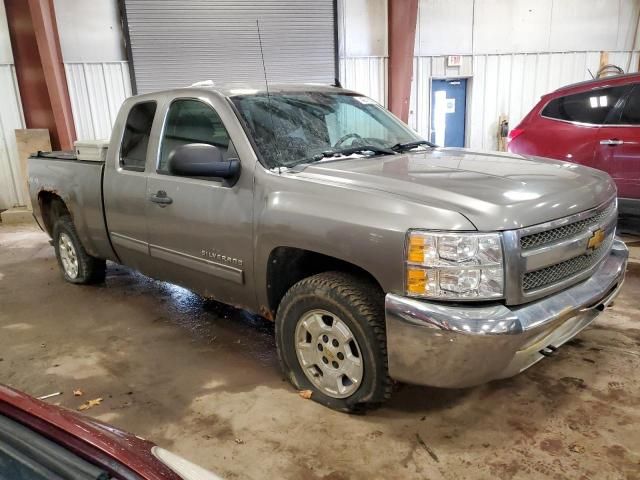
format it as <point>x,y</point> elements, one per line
<point>202,379</point>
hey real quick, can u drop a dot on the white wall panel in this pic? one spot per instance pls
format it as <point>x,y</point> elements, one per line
<point>97,90</point>
<point>362,28</point>
<point>366,75</point>
<point>12,192</point>
<point>628,61</point>
<point>584,25</point>
<point>512,26</point>
<point>628,23</point>
<point>6,55</point>
<point>524,26</point>
<point>89,31</point>
<point>509,84</point>
<point>444,27</point>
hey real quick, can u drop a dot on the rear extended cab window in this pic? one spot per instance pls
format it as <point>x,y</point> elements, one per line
<point>135,140</point>
<point>592,107</point>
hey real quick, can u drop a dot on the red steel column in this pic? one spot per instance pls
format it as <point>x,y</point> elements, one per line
<point>39,68</point>
<point>403,17</point>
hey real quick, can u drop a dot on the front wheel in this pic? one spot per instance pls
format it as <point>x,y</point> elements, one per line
<point>331,340</point>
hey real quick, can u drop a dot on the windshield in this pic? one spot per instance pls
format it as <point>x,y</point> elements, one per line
<point>294,128</point>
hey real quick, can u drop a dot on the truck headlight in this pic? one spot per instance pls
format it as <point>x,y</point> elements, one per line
<point>463,266</point>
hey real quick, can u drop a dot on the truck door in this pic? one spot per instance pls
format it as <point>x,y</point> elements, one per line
<point>125,185</point>
<point>200,233</point>
<point>618,149</point>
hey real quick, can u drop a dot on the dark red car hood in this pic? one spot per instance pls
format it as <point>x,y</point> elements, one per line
<point>99,443</point>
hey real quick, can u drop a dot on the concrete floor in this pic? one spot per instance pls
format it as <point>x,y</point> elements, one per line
<point>202,380</point>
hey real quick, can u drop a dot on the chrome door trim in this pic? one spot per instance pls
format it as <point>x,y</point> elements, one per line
<point>130,243</point>
<point>209,267</point>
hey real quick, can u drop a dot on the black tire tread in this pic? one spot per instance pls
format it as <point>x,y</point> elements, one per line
<point>367,299</point>
<point>92,270</point>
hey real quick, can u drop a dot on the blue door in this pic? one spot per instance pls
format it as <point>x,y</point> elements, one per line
<point>448,103</point>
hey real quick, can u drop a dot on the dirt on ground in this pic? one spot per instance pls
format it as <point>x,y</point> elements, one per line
<point>202,380</point>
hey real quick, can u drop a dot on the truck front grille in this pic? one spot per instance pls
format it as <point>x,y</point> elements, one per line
<point>560,271</point>
<point>565,231</point>
<point>546,258</point>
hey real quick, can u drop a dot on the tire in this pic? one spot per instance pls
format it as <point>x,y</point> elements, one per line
<point>76,264</point>
<point>313,314</point>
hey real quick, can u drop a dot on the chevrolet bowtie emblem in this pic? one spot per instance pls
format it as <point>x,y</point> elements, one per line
<point>596,239</point>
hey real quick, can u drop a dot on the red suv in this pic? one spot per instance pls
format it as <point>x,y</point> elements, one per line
<point>594,123</point>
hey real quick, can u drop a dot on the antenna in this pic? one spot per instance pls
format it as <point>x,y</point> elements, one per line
<point>264,68</point>
<point>266,83</point>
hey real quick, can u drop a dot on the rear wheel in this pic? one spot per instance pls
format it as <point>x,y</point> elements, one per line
<point>331,340</point>
<point>76,264</point>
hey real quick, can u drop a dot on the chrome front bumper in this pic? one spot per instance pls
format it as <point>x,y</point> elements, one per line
<point>460,346</point>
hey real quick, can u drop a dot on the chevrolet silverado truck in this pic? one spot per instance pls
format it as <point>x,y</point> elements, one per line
<point>380,257</point>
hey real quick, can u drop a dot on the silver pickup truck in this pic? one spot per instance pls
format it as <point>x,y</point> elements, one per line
<point>379,256</point>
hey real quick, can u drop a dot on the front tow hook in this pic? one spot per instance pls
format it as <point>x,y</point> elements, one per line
<point>549,351</point>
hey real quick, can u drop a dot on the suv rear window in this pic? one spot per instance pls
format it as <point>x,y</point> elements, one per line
<point>591,107</point>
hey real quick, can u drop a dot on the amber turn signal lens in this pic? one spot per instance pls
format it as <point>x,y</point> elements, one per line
<point>416,249</point>
<point>416,281</point>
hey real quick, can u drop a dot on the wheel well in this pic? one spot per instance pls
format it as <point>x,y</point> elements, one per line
<point>52,207</point>
<point>289,265</point>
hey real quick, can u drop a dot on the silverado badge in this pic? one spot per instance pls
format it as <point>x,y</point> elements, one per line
<point>596,239</point>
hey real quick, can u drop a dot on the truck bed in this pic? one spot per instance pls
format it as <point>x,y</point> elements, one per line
<point>79,184</point>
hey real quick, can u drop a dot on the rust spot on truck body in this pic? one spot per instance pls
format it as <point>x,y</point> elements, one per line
<point>266,313</point>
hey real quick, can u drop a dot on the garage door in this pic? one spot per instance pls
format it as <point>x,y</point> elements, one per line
<point>177,43</point>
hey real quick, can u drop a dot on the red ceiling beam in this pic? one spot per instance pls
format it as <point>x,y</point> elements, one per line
<point>403,18</point>
<point>39,69</point>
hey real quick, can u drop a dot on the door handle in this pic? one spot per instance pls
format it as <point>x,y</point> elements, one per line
<point>612,142</point>
<point>161,198</point>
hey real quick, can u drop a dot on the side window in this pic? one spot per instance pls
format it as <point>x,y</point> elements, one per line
<point>133,151</point>
<point>631,111</point>
<point>591,107</point>
<point>192,121</point>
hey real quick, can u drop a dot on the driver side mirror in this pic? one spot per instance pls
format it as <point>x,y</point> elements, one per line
<point>201,160</point>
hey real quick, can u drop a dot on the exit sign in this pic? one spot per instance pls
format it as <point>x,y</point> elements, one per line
<point>454,60</point>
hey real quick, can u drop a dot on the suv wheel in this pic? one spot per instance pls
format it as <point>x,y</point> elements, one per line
<point>331,340</point>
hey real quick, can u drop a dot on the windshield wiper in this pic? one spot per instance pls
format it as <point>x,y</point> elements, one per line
<point>403,147</point>
<point>343,152</point>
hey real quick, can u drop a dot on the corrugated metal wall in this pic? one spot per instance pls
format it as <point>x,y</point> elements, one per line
<point>97,90</point>
<point>12,192</point>
<point>505,85</point>
<point>501,84</point>
<point>367,75</point>
<point>507,49</point>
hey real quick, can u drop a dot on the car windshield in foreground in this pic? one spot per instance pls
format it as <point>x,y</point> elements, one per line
<point>302,127</point>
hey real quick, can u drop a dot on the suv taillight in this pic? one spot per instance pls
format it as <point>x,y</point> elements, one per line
<point>514,133</point>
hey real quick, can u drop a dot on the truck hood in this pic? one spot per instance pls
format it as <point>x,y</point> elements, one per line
<point>494,191</point>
